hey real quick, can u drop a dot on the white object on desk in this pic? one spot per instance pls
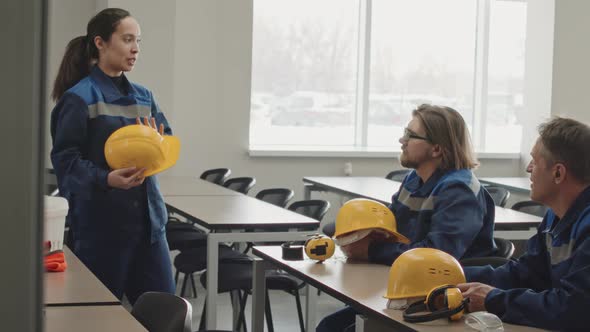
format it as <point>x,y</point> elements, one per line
<point>56,210</point>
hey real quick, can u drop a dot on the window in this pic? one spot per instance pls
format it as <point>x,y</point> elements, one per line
<point>351,77</point>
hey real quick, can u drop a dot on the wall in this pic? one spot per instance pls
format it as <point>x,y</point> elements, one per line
<point>21,86</point>
<point>571,55</point>
<point>538,73</point>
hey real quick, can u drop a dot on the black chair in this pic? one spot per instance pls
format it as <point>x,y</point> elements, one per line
<point>398,175</point>
<point>531,207</point>
<point>505,248</point>
<point>216,175</point>
<point>241,184</point>
<point>313,208</point>
<point>194,260</point>
<point>183,235</point>
<point>499,195</point>
<point>163,312</point>
<point>277,196</point>
<point>236,275</point>
<point>329,229</point>
<point>503,255</point>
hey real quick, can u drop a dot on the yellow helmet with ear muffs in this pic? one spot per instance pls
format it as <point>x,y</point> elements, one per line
<point>417,271</point>
<point>444,301</point>
<point>363,214</point>
<point>319,247</point>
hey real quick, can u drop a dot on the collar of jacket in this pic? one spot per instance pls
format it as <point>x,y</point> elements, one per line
<point>572,214</point>
<point>108,88</point>
<point>417,187</point>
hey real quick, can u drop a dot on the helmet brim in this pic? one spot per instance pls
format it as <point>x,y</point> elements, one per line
<point>171,146</point>
<point>397,237</point>
<point>390,236</point>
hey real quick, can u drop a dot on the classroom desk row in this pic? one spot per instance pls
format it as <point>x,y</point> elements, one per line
<point>381,189</point>
<point>517,184</point>
<point>226,215</point>
<point>75,300</point>
<point>360,285</point>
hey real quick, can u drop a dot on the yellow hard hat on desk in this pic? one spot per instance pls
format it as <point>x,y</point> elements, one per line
<point>417,271</point>
<point>142,147</point>
<point>362,215</point>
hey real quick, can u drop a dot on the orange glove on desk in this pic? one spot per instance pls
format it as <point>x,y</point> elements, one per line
<point>55,261</point>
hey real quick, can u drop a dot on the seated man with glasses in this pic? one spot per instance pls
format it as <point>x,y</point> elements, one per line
<point>440,204</point>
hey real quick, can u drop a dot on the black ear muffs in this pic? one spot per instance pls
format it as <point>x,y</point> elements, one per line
<point>442,302</point>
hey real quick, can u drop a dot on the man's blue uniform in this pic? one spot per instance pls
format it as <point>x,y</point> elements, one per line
<point>118,234</point>
<point>549,286</point>
<point>450,211</point>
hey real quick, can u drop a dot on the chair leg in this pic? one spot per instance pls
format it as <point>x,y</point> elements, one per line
<point>193,285</point>
<point>176,277</point>
<point>268,314</point>
<point>242,316</point>
<point>299,311</point>
<point>203,313</point>
<point>183,285</point>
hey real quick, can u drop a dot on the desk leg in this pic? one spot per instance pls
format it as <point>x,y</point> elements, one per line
<point>364,324</point>
<point>258,294</point>
<point>212,274</point>
<point>311,301</point>
<point>307,191</point>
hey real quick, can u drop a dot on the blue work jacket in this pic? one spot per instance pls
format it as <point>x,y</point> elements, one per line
<point>549,286</point>
<point>81,122</point>
<point>451,211</point>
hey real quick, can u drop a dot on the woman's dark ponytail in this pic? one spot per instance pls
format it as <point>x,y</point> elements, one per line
<point>74,66</point>
<point>81,53</point>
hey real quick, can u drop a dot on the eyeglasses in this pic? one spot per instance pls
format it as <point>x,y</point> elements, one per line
<point>408,134</point>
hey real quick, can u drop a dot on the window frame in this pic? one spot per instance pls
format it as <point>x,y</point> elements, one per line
<point>361,110</point>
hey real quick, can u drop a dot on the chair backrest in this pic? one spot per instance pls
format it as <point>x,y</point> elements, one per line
<point>531,207</point>
<point>499,195</point>
<point>241,184</point>
<point>277,196</point>
<point>329,229</point>
<point>216,175</point>
<point>505,247</point>
<point>313,208</point>
<point>398,175</point>
<point>163,312</point>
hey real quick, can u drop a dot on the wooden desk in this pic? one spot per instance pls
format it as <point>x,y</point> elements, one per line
<point>192,186</point>
<point>381,189</point>
<point>515,184</point>
<point>75,286</point>
<point>90,319</point>
<point>350,283</point>
<point>226,217</point>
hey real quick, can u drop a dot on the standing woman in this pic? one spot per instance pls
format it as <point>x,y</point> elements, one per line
<point>117,217</point>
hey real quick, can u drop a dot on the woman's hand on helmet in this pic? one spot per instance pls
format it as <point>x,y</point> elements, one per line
<point>126,178</point>
<point>151,124</point>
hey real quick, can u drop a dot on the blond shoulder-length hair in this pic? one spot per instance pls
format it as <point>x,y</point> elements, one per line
<point>445,126</point>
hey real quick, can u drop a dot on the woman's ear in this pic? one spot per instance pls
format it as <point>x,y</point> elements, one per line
<point>98,42</point>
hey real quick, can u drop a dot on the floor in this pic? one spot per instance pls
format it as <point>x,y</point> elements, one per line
<point>284,311</point>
